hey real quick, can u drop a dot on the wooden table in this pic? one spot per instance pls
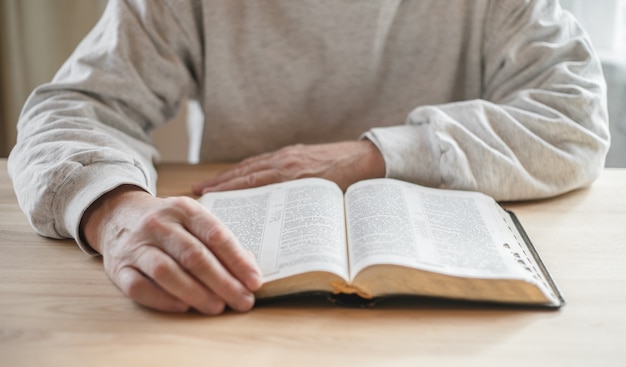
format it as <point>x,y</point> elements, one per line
<point>57,307</point>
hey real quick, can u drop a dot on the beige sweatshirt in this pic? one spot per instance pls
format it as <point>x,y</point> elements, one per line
<point>504,97</point>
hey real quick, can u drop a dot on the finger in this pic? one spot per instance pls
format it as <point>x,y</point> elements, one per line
<point>169,276</point>
<point>242,169</point>
<point>250,180</point>
<point>228,279</point>
<point>283,157</point>
<point>222,243</point>
<point>143,291</point>
<point>198,261</point>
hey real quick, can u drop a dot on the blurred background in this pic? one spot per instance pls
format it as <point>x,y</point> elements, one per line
<point>36,36</point>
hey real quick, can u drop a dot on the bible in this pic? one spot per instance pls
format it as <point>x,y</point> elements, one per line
<point>383,238</point>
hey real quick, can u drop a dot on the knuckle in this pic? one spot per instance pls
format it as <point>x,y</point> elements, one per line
<point>152,222</point>
<point>133,289</point>
<point>181,202</point>
<point>295,148</point>
<point>218,235</point>
<point>289,154</point>
<point>251,180</point>
<point>132,285</point>
<point>159,270</point>
<point>293,158</point>
<point>193,258</point>
<point>291,162</point>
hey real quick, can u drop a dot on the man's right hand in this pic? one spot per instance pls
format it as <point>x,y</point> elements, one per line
<point>170,254</point>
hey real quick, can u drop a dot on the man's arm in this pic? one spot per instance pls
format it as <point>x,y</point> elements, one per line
<point>84,148</point>
<point>540,128</point>
<point>88,131</point>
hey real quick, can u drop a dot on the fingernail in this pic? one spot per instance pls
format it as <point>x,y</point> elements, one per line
<point>247,303</point>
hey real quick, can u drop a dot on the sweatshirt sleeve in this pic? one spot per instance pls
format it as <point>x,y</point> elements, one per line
<point>540,127</point>
<point>88,130</point>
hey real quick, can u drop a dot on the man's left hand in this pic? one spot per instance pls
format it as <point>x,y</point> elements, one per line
<point>344,163</point>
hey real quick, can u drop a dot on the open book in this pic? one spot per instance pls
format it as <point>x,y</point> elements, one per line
<point>385,237</point>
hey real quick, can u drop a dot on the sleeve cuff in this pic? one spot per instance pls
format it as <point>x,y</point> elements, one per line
<point>411,152</point>
<point>101,180</point>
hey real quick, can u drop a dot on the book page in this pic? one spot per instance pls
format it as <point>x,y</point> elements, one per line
<point>450,232</point>
<point>290,227</point>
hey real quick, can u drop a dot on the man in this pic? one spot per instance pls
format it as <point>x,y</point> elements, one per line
<point>505,97</point>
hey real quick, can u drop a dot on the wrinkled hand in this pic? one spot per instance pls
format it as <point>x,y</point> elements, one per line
<point>170,254</point>
<point>344,163</point>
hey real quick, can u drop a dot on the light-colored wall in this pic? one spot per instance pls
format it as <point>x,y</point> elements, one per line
<point>36,37</point>
<point>605,21</point>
